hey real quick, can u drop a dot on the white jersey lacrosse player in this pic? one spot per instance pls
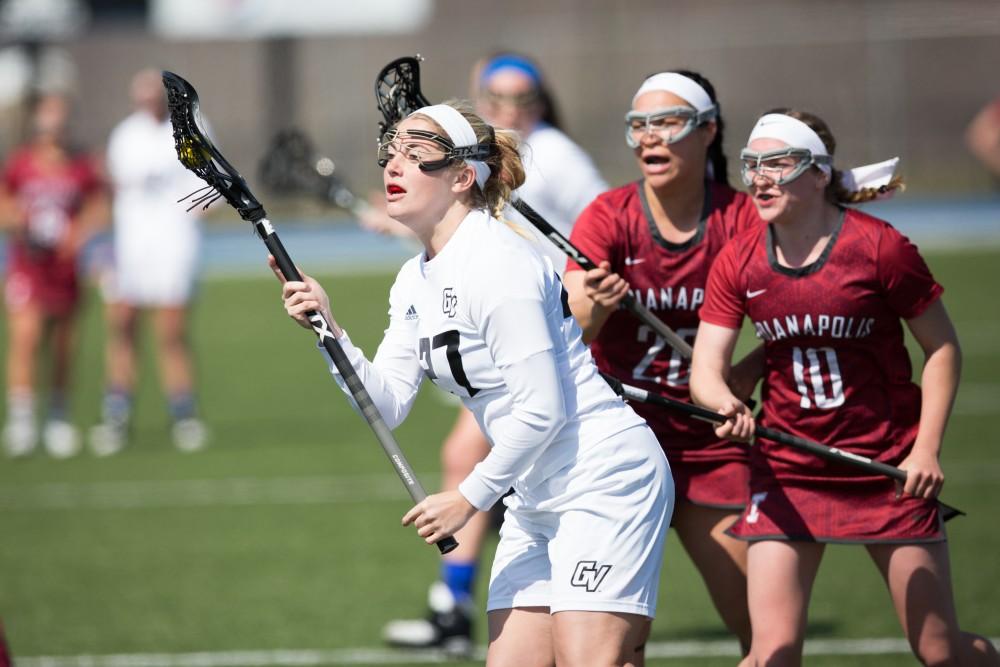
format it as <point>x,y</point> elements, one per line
<point>487,320</point>
<point>156,243</point>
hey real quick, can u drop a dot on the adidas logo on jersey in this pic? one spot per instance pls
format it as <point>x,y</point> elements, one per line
<point>411,314</point>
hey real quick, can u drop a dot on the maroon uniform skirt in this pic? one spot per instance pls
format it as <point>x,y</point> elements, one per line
<point>45,282</point>
<point>718,484</point>
<point>841,510</point>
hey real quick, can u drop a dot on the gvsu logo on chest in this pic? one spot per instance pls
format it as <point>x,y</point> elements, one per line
<point>449,302</point>
<point>589,575</point>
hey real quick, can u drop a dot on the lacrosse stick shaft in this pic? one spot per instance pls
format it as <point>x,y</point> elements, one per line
<point>357,388</point>
<point>631,393</point>
<point>629,302</point>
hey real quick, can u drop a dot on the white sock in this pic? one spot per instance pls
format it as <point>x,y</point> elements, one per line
<point>20,405</point>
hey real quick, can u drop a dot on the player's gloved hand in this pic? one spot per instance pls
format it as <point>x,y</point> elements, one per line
<point>604,287</point>
<point>439,515</point>
<point>924,477</point>
<point>300,297</point>
<point>741,424</point>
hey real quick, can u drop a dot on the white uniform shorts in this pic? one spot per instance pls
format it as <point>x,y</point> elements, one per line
<point>591,539</point>
<point>154,267</point>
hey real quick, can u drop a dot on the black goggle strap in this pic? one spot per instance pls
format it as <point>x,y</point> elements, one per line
<point>478,152</point>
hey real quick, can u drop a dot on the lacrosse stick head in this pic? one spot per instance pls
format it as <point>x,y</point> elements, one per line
<point>198,154</point>
<point>291,165</point>
<point>397,91</point>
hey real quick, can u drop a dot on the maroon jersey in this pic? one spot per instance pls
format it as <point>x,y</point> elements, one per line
<point>51,200</point>
<point>836,370</point>
<point>669,279</point>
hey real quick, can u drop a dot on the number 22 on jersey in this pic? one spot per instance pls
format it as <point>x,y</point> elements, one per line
<point>678,369</point>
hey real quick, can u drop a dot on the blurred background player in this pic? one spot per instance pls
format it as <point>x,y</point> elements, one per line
<point>658,236</point>
<point>51,203</point>
<point>826,288</point>
<point>560,180</point>
<point>982,136</point>
<point>155,262</point>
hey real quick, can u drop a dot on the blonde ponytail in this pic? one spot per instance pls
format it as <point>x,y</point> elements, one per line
<point>506,168</point>
<point>836,193</point>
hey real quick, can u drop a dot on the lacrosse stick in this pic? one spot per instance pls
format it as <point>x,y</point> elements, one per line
<point>631,393</point>
<point>291,165</point>
<point>198,154</point>
<point>397,92</point>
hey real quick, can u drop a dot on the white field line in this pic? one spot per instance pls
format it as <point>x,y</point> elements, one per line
<point>248,491</point>
<point>377,656</point>
<point>207,492</point>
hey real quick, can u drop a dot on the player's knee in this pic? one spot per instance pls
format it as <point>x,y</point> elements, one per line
<point>594,656</point>
<point>456,462</point>
<point>458,458</point>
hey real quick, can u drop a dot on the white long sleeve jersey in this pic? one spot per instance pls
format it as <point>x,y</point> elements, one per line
<point>487,320</point>
<point>560,180</point>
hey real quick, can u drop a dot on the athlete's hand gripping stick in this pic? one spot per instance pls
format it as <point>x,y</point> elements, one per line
<point>631,393</point>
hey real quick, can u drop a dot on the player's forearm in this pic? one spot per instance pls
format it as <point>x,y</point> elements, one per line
<point>520,436</point>
<point>746,373</point>
<point>393,388</point>
<point>709,388</point>
<point>939,384</point>
<point>710,366</point>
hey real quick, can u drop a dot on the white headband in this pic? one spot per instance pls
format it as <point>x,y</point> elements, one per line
<point>797,134</point>
<point>459,131</point>
<point>792,131</point>
<point>679,85</point>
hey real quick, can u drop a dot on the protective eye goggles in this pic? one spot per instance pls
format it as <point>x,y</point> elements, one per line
<point>779,166</point>
<point>428,150</point>
<point>668,125</point>
<point>520,101</point>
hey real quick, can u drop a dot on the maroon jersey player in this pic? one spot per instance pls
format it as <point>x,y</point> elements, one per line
<point>51,202</point>
<point>656,238</point>
<point>827,289</point>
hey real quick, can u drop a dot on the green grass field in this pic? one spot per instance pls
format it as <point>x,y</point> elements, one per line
<point>284,533</point>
